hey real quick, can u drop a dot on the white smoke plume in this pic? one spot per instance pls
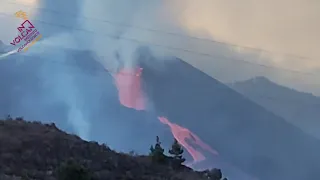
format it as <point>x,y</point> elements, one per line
<point>287,30</point>
<point>281,27</point>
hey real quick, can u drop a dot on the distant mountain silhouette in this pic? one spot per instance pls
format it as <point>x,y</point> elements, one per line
<point>298,108</point>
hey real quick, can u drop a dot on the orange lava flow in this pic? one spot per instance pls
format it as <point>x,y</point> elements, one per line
<point>128,83</point>
<point>182,134</point>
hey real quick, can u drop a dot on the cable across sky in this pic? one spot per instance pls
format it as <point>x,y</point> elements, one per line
<point>166,47</point>
<point>160,31</point>
<point>93,69</point>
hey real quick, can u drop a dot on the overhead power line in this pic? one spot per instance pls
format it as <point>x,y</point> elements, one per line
<point>168,47</point>
<point>97,69</point>
<point>163,32</point>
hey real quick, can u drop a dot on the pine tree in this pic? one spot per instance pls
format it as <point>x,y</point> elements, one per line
<point>157,151</point>
<point>177,151</point>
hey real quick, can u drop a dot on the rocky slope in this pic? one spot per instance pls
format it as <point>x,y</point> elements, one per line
<point>35,151</point>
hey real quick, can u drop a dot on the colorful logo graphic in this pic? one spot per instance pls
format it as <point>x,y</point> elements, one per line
<point>28,33</point>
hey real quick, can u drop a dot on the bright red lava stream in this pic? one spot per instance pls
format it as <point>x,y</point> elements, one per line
<point>182,134</point>
<point>128,82</point>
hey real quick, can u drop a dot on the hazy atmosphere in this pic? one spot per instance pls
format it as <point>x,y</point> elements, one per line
<point>286,30</point>
<point>254,115</point>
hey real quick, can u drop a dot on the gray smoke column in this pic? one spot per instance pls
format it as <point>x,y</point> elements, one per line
<point>120,16</point>
<point>62,84</point>
<point>64,88</point>
<point>244,23</point>
<point>48,13</point>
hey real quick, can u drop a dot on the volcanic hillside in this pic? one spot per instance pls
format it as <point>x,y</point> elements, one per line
<point>158,97</point>
<point>36,151</point>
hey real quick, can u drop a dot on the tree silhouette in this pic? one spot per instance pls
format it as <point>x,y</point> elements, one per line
<point>177,151</point>
<point>214,174</point>
<point>157,151</point>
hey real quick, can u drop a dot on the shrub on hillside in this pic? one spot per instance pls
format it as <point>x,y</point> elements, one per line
<point>72,170</point>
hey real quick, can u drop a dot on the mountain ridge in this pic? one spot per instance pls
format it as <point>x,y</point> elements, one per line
<point>298,108</point>
<point>262,80</point>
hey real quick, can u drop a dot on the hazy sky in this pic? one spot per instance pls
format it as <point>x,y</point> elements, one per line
<point>279,26</point>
